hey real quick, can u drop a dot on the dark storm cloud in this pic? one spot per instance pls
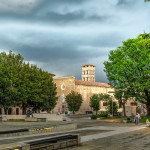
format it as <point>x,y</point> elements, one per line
<point>57,18</point>
<point>62,35</point>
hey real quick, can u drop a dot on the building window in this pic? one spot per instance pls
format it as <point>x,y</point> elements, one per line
<point>133,103</point>
<point>17,111</point>
<point>9,111</point>
<point>104,103</point>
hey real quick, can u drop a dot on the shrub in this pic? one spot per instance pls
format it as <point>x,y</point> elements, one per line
<point>102,115</point>
<point>93,117</point>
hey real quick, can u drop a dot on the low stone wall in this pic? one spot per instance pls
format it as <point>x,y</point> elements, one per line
<point>7,117</point>
<point>47,143</point>
<point>48,117</point>
<point>59,128</point>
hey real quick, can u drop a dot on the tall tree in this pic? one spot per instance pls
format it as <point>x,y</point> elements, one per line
<point>48,91</point>
<point>74,101</point>
<point>94,102</point>
<point>119,95</point>
<point>112,107</point>
<point>34,87</point>
<point>7,91</point>
<point>128,68</point>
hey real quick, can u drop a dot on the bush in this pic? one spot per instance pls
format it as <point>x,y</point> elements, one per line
<point>94,117</point>
<point>102,115</point>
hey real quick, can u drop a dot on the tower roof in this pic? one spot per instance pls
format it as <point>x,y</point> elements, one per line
<point>88,65</point>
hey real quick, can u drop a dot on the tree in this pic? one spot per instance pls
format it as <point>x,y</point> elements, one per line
<point>146,0</point>
<point>119,95</point>
<point>74,101</point>
<point>94,102</point>
<point>48,91</point>
<point>33,87</point>
<point>109,107</point>
<point>128,68</point>
<point>7,91</point>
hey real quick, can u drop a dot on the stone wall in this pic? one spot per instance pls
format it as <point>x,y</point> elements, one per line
<point>64,86</point>
<point>87,92</point>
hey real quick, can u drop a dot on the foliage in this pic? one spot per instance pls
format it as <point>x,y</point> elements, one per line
<point>104,97</point>
<point>109,107</point>
<point>94,117</point>
<point>94,102</point>
<point>7,91</point>
<point>122,97</point>
<point>25,85</point>
<point>102,115</point>
<point>146,0</point>
<point>74,101</point>
<point>128,69</point>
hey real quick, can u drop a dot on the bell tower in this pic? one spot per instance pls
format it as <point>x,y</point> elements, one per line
<point>88,72</point>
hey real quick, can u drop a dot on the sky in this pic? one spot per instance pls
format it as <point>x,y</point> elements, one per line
<point>60,36</point>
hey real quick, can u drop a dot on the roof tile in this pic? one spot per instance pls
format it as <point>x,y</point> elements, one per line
<point>80,82</point>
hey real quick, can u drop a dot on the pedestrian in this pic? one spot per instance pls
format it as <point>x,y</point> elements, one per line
<point>137,117</point>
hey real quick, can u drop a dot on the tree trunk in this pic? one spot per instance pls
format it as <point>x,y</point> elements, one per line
<point>124,111</point>
<point>148,107</point>
<point>23,110</point>
<point>148,102</point>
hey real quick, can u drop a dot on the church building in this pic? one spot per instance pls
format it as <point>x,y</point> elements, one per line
<point>86,87</point>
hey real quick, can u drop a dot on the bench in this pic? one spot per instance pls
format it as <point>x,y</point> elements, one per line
<point>54,142</point>
<point>14,131</point>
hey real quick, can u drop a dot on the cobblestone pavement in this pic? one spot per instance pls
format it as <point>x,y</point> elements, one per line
<point>135,140</point>
<point>97,135</point>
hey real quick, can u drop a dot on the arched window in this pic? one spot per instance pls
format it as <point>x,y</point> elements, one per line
<point>17,111</point>
<point>9,111</point>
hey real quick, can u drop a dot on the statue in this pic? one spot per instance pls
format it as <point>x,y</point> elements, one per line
<point>29,112</point>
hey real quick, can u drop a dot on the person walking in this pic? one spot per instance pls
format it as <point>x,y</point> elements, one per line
<point>137,117</point>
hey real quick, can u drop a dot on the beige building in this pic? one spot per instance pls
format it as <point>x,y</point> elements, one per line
<point>67,84</point>
<point>86,87</point>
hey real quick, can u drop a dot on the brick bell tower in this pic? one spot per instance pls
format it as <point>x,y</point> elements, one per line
<point>88,72</point>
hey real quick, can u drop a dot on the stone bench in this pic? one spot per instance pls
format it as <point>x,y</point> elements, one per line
<point>47,143</point>
<point>55,142</point>
<point>14,131</point>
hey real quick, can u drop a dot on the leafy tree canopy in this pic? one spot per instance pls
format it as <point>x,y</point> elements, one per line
<point>128,68</point>
<point>94,102</point>
<point>25,85</point>
<point>74,101</point>
<point>111,108</point>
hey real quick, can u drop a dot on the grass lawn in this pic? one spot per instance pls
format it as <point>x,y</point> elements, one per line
<point>143,120</point>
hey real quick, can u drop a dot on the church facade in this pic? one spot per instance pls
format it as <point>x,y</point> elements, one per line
<point>86,87</point>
